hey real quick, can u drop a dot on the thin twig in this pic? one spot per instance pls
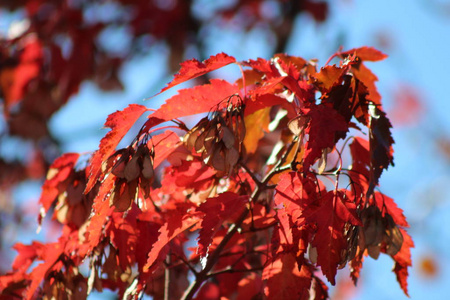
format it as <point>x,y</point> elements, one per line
<point>231,270</point>
<point>252,175</point>
<point>167,279</point>
<point>193,270</point>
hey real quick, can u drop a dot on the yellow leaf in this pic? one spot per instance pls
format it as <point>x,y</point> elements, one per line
<point>255,125</point>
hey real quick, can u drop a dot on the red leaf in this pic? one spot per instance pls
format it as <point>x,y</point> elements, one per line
<point>403,261</point>
<point>208,291</point>
<point>331,215</point>
<point>294,193</point>
<point>174,225</point>
<point>368,79</point>
<point>119,122</point>
<point>325,123</point>
<point>328,77</point>
<point>388,206</point>
<point>148,235</point>
<point>217,210</point>
<point>58,172</point>
<point>249,287</point>
<point>26,255</point>
<point>285,281</point>
<point>360,167</point>
<point>51,254</point>
<point>260,101</point>
<point>191,101</point>
<point>365,53</point>
<point>193,175</point>
<point>101,211</point>
<point>164,143</point>
<point>264,66</point>
<point>14,81</point>
<point>193,68</point>
<point>123,235</point>
<point>381,151</point>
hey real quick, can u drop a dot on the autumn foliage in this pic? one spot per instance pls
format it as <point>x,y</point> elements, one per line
<point>268,193</point>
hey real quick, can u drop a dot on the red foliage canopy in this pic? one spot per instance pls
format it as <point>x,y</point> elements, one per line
<point>266,221</point>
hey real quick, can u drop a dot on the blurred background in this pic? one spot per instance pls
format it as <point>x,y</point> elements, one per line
<point>66,65</point>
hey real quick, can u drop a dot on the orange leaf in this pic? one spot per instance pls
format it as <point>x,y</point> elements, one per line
<point>255,125</point>
<point>366,53</point>
<point>191,101</point>
<point>403,261</point>
<point>328,77</point>
<point>119,122</point>
<point>193,68</point>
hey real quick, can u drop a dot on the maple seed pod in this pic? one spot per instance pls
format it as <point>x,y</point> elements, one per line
<point>380,232</point>
<point>298,124</point>
<point>147,168</point>
<point>119,168</point>
<point>132,169</point>
<point>219,137</point>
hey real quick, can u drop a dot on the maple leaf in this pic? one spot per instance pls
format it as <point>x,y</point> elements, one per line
<point>257,101</point>
<point>208,291</point>
<point>164,144</point>
<point>217,210</point>
<point>122,232</point>
<point>284,280</point>
<point>367,79</point>
<point>14,81</point>
<point>301,89</point>
<point>101,211</point>
<point>119,122</point>
<point>328,77</point>
<point>147,232</point>
<point>365,53</point>
<point>360,167</point>
<point>193,68</point>
<point>191,101</point>
<point>255,125</point>
<point>403,261</point>
<point>343,98</point>
<point>332,213</point>
<point>294,193</point>
<point>387,206</point>
<point>381,151</point>
<point>324,126</point>
<point>26,255</point>
<point>249,287</point>
<point>189,175</point>
<point>176,223</point>
<point>58,172</point>
<point>50,256</point>
<point>263,66</point>
<point>295,61</point>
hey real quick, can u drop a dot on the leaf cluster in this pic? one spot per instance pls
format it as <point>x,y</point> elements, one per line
<point>261,183</point>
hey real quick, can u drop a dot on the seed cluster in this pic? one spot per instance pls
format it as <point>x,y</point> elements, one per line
<point>219,137</point>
